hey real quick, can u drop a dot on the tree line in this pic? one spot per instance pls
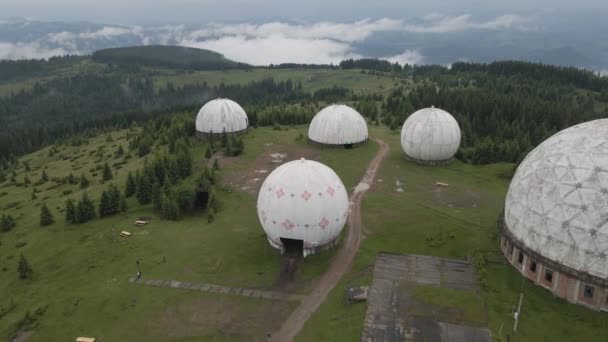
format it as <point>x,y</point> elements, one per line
<point>67,106</point>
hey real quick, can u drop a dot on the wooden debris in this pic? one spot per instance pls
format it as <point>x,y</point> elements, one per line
<point>141,223</point>
<point>85,339</point>
<point>441,185</point>
<point>125,233</point>
<point>357,293</point>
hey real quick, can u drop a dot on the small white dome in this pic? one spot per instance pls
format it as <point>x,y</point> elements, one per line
<point>338,125</point>
<point>221,115</point>
<point>430,135</point>
<point>557,204</point>
<point>303,200</point>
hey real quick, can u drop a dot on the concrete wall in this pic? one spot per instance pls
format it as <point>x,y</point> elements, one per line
<point>562,285</point>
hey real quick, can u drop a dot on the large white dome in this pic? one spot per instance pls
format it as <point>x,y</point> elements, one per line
<point>338,125</point>
<point>430,135</point>
<point>220,115</point>
<point>303,200</point>
<point>557,204</point>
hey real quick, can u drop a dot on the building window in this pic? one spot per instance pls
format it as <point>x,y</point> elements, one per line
<point>520,258</point>
<point>549,276</point>
<point>588,291</point>
<point>510,249</point>
<point>533,266</point>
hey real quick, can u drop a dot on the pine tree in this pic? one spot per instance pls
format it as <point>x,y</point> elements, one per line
<point>104,205</point>
<point>44,177</point>
<point>212,202</point>
<point>2,175</point>
<point>144,188</point>
<point>26,180</point>
<point>131,186</point>
<point>120,151</point>
<point>203,184</point>
<point>156,196</point>
<point>70,211</point>
<point>115,199</point>
<point>72,179</point>
<point>84,182</point>
<point>172,170</point>
<point>185,200</point>
<point>34,194</point>
<point>208,153</point>
<point>216,165</point>
<point>24,269</point>
<point>169,206</point>
<point>107,172</point>
<point>7,223</point>
<point>85,210</point>
<point>184,160</point>
<point>122,205</point>
<point>112,202</point>
<point>46,218</point>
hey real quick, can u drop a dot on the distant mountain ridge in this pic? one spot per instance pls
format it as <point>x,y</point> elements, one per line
<point>167,56</point>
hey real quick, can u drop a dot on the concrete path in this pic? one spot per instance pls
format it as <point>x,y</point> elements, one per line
<point>253,293</point>
<point>342,262</point>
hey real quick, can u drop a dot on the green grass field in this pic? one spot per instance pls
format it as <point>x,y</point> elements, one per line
<point>81,271</point>
<point>312,79</point>
<point>403,222</point>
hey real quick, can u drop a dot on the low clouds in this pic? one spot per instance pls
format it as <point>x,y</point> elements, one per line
<point>411,57</point>
<point>345,32</point>
<point>277,49</point>
<point>438,23</point>
<point>258,44</point>
<point>28,50</point>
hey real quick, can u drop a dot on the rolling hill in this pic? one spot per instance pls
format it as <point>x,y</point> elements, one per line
<point>167,56</point>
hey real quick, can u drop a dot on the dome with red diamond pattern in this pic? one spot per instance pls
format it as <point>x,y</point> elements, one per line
<point>302,202</point>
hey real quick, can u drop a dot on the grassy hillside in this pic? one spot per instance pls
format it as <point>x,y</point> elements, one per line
<point>80,271</point>
<point>166,56</point>
<point>80,283</point>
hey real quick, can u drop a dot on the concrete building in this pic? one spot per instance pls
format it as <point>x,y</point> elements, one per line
<point>302,206</point>
<point>338,125</point>
<point>555,223</point>
<point>430,136</point>
<point>219,116</point>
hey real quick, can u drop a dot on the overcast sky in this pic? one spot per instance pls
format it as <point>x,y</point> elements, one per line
<point>317,31</point>
<point>198,11</point>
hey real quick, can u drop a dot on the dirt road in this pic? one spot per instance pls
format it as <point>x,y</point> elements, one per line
<point>341,262</point>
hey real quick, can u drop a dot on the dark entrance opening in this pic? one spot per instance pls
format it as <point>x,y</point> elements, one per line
<point>348,146</point>
<point>293,247</point>
<point>201,199</point>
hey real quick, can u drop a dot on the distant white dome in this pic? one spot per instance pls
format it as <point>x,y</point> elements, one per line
<point>430,135</point>
<point>220,115</point>
<point>338,125</point>
<point>557,204</point>
<point>303,200</point>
